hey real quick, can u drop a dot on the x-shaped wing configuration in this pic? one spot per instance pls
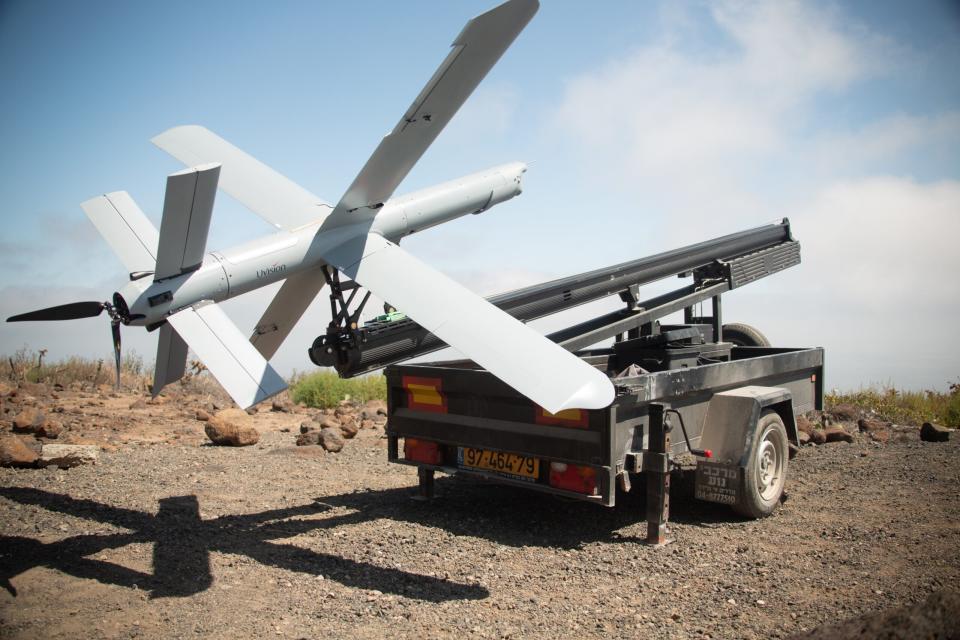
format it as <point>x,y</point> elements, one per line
<point>176,284</point>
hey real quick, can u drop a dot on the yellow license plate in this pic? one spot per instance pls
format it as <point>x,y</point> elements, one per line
<point>508,463</point>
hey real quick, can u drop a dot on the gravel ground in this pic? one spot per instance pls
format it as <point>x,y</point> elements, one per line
<point>175,538</point>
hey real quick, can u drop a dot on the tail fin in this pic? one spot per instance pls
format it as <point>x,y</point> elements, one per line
<point>187,209</point>
<point>171,358</point>
<point>125,228</point>
<point>236,364</point>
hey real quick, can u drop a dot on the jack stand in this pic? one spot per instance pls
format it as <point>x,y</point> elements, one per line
<point>657,465</point>
<point>425,487</point>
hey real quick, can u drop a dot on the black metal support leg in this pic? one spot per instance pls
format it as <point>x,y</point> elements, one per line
<point>717,320</point>
<point>425,488</point>
<point>657,466</point>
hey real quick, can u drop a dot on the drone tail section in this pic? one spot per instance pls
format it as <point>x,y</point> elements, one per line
<point>125,228</point>
<point>187,210</point>
<point>226,352</point>
<point>171,359</point>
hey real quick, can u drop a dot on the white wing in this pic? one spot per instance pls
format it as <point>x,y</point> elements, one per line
<point>125,228</point>
<point>286,308</point>
<point>187,209</point>
<point>272,196</point>
<point>478,47</point>
<point>239,368</point>
<point>541,370</point>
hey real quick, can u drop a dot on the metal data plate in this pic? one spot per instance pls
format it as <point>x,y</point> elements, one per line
<point>718,482</point>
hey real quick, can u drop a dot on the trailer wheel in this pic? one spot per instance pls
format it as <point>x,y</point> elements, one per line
<point>766,471</point>
<point>743,335</point>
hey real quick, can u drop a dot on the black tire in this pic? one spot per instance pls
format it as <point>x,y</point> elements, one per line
<point>766,472</point>
<point>743,335</point>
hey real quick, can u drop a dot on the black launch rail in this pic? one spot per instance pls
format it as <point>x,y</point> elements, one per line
<point>720,393</point>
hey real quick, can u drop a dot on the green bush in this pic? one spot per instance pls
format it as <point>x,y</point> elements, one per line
<point>904,407</point>
<point>325,389</point>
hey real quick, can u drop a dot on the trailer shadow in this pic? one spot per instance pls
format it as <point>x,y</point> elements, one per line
<point>183,541</point>
<point>517,517</point>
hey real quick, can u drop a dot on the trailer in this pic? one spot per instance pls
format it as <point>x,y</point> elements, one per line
<point>702,389</point>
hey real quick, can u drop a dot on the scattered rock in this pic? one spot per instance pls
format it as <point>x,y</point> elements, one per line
<point>68,455</point>
<point>878,430</point>
<point>139,403</point>
<point>283,405</point>
<point>803,437</point>
<point>251,411</point>
<point>367,424</point>
<point>836,433</point>
<point>331,440</point>
<point>817,436</point>
<point>930,432</point>
<point>867,425</point>
<point>308,438</point>
<point>50,429</point>
<point>28,420</point>
<point>202,415</point>
<point>14,453</point>
<point>6,390</point>
<point>349,428</point>
<point>231,427</point>
<point>36,389</point>
<point>329,423</point>
<point>309,425</point>
<point>844,413</point>
<point>155,400</point>
<point>804,425</point>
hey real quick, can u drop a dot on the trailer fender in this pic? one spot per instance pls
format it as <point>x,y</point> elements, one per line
<point>729,430</point>
<point>732,418</point>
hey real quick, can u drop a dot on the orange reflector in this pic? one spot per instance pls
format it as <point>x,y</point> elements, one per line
<point>422,451</point>
<point>567,418</point>
<point>424,394</point>
<point>573,477</point>
<point>813,377</point>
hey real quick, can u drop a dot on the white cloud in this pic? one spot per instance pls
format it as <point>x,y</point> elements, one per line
<point>693,121</point>
<point>726,136</point>
<point>883,140</point>
<point>876,287</point>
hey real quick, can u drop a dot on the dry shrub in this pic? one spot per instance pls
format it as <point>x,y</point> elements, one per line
<point>904,407</point>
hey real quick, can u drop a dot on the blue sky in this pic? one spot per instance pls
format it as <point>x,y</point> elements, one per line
<point>649,126</point>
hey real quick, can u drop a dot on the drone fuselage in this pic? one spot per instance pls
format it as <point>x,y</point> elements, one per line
<point>244,268</point>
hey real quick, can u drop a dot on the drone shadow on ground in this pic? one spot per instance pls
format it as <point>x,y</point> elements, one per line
<point>182,541</point>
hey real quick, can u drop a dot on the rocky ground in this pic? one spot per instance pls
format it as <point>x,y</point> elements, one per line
<point>166,535</point>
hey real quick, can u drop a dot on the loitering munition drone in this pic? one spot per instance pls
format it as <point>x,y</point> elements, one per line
<point>175,285</point>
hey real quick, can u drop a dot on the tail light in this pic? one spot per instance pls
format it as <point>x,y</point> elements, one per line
<point>573,477</point>
<point>422,451</point>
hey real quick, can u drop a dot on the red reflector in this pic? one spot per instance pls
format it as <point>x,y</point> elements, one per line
<point>422,451</point>
<point>707,453</point>
<point>425,394</point>
<point>573,477</point>
<point>577,418</point>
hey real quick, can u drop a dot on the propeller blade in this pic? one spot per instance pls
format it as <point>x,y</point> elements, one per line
<point>72,311</point>
<point>115,330</point>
